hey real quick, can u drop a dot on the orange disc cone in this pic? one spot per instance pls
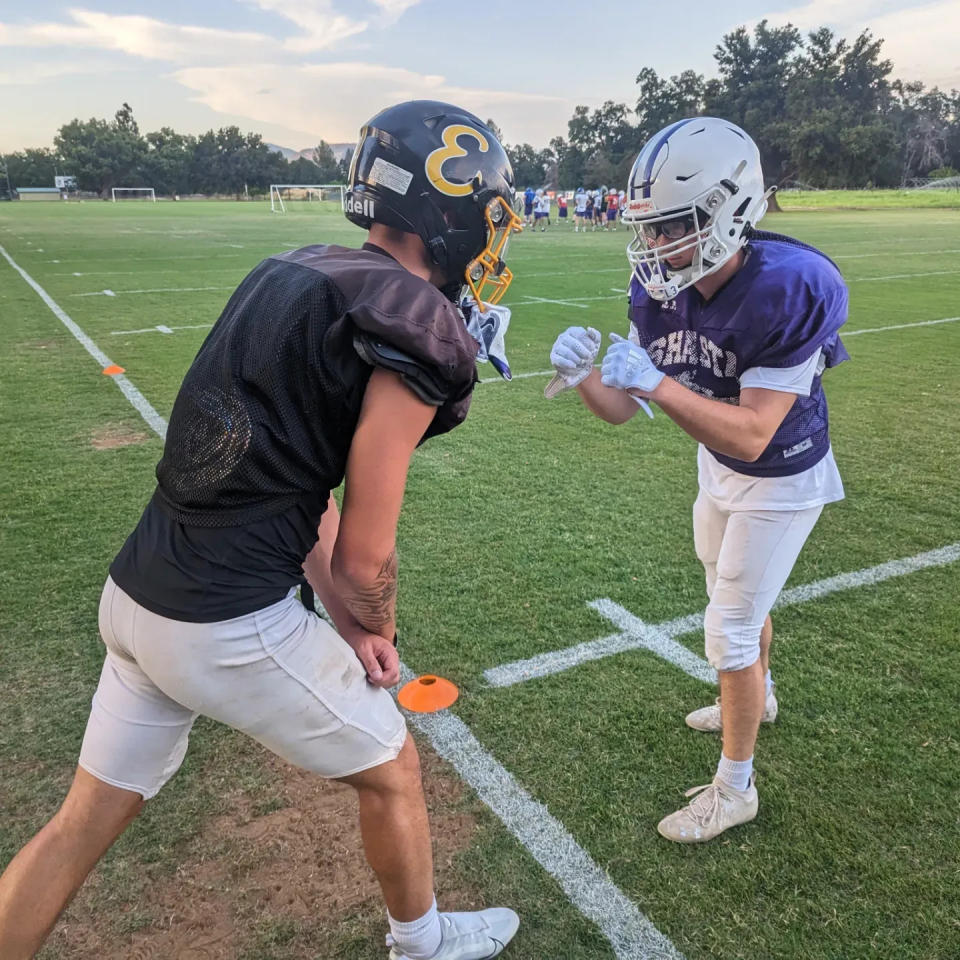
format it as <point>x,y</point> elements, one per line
<point>112,370</point>
<point>427,694</point>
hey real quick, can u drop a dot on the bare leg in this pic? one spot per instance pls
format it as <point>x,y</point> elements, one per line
<point>396,832</point>
<point>742,694</point>
<point>766,638</point>
<point>46,874</point>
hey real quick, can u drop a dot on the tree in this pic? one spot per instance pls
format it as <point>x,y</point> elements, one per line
<point>102,154</point>
<point>529,165</point>
<point>167,165</point>
<point>328,170</point>
<point>30,168</point>
<point>662,102</point>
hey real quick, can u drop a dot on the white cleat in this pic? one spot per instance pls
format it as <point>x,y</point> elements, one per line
<point>716,808</point>
<point>709,719</point>
<point>470,936</point>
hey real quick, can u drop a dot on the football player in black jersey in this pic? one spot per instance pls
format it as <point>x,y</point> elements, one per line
<point>327,364</point>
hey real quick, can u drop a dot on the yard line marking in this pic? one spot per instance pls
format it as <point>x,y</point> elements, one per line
<point>117,293</point>
<point>904,276</point>
<point>895,253</point>
<point>589,889</point>
<point>900,326</point>
<point>660,638</point>
<point>136,398</point>
<point>162,328</point>
<point>561,303</point>
<point>586,885</point>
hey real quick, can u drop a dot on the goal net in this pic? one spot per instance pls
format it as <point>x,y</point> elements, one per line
<point>133,193</point>
<point>303,196</point>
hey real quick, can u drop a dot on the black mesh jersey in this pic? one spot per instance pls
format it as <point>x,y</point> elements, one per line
<point>261,428</point>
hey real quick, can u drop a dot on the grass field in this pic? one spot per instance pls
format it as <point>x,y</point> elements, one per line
<point>512,526</point>
<point>791,200</point>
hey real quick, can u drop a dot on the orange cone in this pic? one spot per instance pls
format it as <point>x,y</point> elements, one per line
<point>427,694</point>
<point>112,370</point>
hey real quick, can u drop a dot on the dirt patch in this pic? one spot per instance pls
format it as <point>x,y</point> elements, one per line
<point>113,435</point>
<point>281,884</point>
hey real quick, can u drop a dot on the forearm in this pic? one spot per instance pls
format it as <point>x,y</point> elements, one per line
<point>369,592</point>
<point>727,428</point>
<point>614,406</point>
<point>316,568</point>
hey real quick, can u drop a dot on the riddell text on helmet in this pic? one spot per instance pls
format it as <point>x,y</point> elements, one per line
<point>363,207</point>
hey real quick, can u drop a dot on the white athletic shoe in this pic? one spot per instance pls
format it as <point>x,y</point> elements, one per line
<point>470,936</point>
<point>717,808</point>
<point>709,720</point>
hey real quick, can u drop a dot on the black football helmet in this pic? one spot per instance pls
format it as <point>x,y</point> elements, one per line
<point>435,170</point>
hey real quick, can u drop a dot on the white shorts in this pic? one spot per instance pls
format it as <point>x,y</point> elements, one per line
<point>281,675</point>
<point>747,556</point>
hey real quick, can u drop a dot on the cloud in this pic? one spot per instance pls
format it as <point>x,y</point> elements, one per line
<point>922,41</point>
<point>40,71</point>
<point>332,100</point>
<point>138,36</point>
<point>322,28</point>
<point>394,9</point>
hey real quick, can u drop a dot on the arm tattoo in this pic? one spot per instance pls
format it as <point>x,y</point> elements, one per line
<point>374,604</point>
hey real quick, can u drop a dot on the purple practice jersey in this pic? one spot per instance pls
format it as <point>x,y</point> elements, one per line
<point>787,301</point>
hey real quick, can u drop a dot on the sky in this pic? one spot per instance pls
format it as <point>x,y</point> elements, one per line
<point>298,71</point>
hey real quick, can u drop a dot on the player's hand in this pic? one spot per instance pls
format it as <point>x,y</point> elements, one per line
<point>378,656</point>
<point>574,353</point>
<point>627,366</point>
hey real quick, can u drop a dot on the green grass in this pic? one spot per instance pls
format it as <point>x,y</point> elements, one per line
<point>512,524</point>
<point>867,199</point>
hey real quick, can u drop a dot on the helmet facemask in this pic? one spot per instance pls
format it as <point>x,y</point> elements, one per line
<point>487,275</point>
<point>703,237</point>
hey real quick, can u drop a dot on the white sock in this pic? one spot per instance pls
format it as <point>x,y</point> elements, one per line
<point>735,773</point>
<point>768,682</point>
<point>417,939</point>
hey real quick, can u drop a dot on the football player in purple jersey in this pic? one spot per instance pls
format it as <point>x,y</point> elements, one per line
<point>731,329</point>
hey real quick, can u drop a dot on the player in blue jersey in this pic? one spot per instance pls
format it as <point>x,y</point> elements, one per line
<point>529,196</point>
<point>730,332</point>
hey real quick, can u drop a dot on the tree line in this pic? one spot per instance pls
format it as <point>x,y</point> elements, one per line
<point>823,110</point>
<point>103,154</point>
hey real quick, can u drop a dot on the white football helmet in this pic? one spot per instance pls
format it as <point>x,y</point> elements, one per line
<point>696,185</point>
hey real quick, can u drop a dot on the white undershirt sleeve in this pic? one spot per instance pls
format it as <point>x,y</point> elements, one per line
<point>796,379</point>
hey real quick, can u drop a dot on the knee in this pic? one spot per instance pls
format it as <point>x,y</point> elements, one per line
<point>730,643</point>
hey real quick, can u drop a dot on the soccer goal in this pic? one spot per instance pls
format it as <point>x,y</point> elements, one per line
<point>133,193</point>
<point>299,196</point>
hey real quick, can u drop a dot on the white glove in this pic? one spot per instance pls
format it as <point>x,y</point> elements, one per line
<point>572,356</point>
<point>627,366</point>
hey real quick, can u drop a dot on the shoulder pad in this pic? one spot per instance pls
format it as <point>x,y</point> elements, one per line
<point>420,378</point>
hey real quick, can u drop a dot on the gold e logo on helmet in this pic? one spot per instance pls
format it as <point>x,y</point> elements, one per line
<point>450,149</point>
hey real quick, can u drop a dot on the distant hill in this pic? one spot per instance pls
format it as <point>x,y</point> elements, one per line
<point>340,150</point>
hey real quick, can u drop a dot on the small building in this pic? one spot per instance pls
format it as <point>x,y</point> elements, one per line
<point>39,193</point>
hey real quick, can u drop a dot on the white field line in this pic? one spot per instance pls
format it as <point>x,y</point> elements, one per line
<point>587,886</point>
<point>123,293</point>
<point>592,892</point>
<point>894,254</point>
<point>161,328</point>
<point>901,326</point>
<point>904,276</point>
<point>661,638</point>
<point>136,398</point>
<point>206,256</point>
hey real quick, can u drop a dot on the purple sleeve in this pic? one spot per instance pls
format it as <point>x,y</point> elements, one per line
<point>802,317</point>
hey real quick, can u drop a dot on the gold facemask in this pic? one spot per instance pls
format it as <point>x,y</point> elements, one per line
<point>487,276</point>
